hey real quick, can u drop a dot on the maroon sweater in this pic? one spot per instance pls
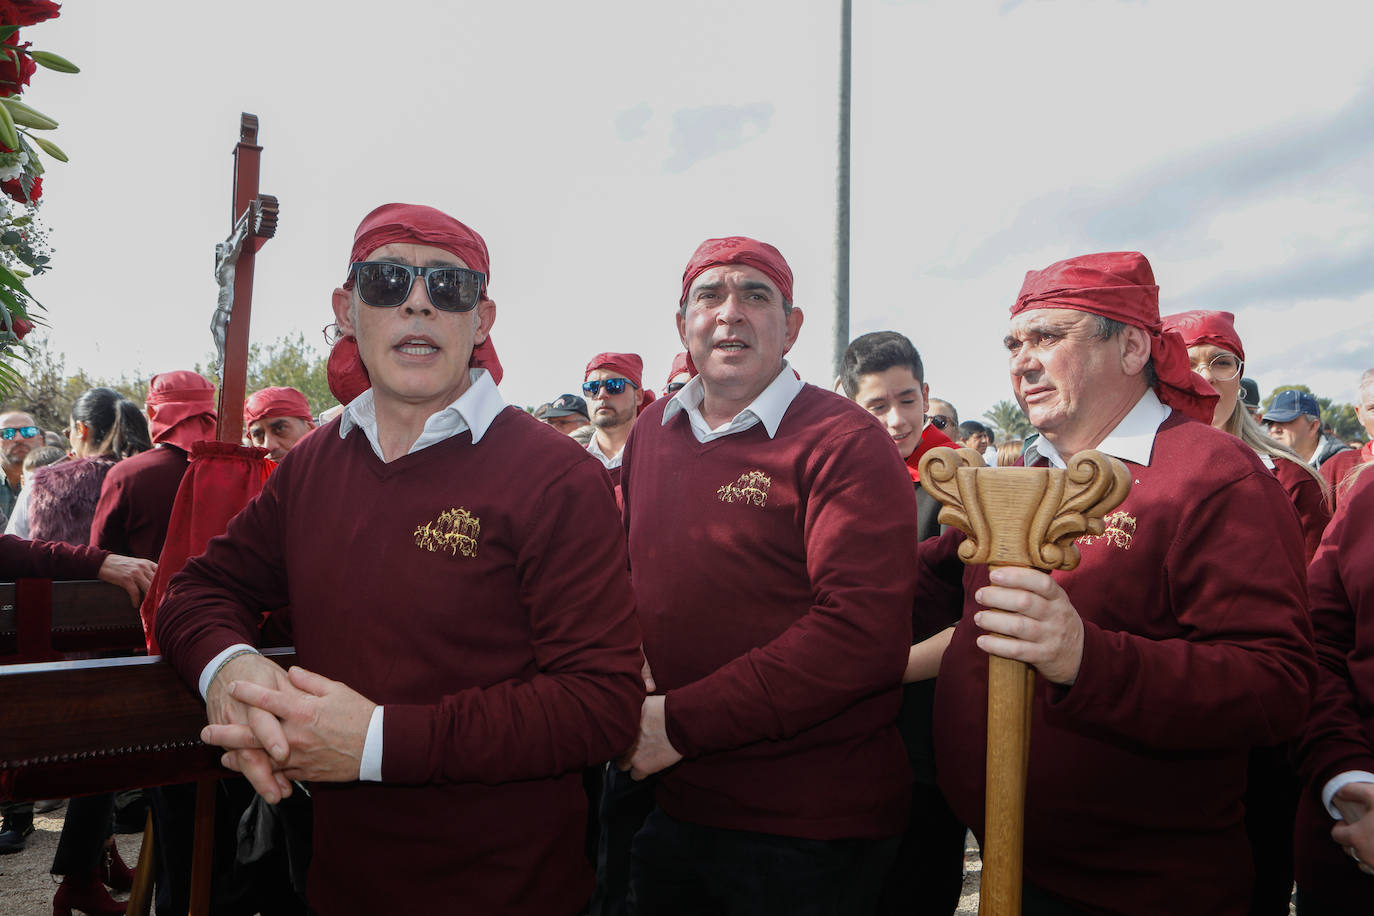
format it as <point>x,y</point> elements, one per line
<point>1196,647</point>
<point>1302,488</point>
<point>480,593</point>
<point>1340,732</point>
<point>136,502</point>
<point>25,559</point>
<point>774,580</point>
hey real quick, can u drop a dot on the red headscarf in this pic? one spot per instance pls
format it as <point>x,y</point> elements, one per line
<point>275,402</point>
<point>627,364</point>
<point>1120,285</point>
<point>681,363</point>
<point>739,250</point>
<point>1202,327</point>
<point>185,413</point>
<point>417,225</point>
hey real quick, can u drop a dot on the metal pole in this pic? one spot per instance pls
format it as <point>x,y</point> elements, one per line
<point>842,193</point>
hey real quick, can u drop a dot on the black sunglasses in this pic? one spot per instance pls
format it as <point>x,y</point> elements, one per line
<point>24,432</point>
<point>939,421</point>
<point>613,386</point>
<point>385,284</point>
<point>674,386</point>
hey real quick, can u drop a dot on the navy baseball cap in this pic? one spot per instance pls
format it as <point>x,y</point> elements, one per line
<point>1291,404</point>
<point>566,405</point>
<point>1249,393</point>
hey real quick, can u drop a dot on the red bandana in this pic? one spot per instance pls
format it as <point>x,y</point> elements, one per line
<point>739,250</point>
<point>1120,285</point>
<point>185,408</point>
<point>1202,327</point>
<point>275,402</point>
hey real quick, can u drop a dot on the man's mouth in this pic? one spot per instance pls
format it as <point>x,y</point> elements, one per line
<point>417,346</point>
<point>731,346</point>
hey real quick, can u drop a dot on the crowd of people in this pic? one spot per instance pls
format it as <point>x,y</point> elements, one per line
<point>724,657</point>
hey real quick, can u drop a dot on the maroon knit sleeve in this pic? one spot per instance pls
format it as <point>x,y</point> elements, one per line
<point>860,539</point>
<point>1334,471</point>
<point>218,598</point>
<point>583,705</point>
<point>1306,495</point>
<point>1341,585</point>
<point>1243,674</point>
<point>24,559</point>
<point>939,584</point>
<point>110,524</point>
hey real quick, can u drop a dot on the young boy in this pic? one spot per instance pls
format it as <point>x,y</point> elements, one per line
<point>882,373</point>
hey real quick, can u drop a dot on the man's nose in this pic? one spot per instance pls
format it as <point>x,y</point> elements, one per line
<point>418,300</point>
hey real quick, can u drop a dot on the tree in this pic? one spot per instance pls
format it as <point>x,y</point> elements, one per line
<point>1008,417</point>
<point>45,390</point>
<point>288,362</point>
<point>1342,419</point>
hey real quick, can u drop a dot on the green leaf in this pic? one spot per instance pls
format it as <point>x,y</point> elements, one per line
<point>7,31</point>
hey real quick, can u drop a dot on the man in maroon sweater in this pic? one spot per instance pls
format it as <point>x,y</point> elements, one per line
<point>771,531</point>
<point>467,658</point>
<point>613,386</point>
<point>1179,641</point>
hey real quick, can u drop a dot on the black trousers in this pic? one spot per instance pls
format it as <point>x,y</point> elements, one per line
<point>88,824</point>
<point>683,869</point>
<point>927,877</point>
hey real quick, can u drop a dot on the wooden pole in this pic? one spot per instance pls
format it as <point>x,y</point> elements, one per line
<point>1026,517</point>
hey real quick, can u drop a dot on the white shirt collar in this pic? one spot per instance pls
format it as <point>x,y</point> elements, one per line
<point>1133,439</point>
<point>474,409</point>
<point>768,408</point>
<point>596,451</point>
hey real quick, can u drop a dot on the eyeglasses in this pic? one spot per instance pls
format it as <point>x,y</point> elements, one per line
<point>613,386</point>
<point>1223,367</point>
<point>673,386</point>
<point>23,432</point>
<point>385,284</point>
<point>939,421</point>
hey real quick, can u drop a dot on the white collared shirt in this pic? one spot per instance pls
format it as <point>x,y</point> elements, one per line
<point>599,455</point>
<point>1133,439</point>
<point>474,409</point>
<point>768,408</point>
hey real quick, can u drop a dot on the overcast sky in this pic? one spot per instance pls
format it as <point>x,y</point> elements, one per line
<point>595,144</point>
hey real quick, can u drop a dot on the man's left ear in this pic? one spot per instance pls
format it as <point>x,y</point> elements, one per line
<point>794,324</point>
<point>486,317</point>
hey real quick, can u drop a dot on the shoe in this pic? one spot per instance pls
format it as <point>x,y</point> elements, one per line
<point>48,805</point>
<point>85,894</point>
<point>12,836</point>
<point>113,872</point>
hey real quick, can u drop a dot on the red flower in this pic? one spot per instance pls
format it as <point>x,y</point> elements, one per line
<point>26,12</point>
<point>14,78</point>
<point>16,191</point>
<point>22,326</point>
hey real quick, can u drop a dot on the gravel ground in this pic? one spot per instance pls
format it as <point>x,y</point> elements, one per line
<point>26,888</point>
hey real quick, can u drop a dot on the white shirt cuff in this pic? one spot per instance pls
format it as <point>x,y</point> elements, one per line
<point>209,670</point>
<point>370,767</point>
<point>1336,782</point>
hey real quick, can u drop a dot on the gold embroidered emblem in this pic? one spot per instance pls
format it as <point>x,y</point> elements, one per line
<point>1120,531</point>
<point>751,488</point>
<point>455,530</point>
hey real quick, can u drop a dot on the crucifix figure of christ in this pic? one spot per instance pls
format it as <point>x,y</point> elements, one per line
<point>1017,517</point>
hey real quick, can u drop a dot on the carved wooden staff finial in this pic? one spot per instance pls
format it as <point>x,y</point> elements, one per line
<point>1017,517</point>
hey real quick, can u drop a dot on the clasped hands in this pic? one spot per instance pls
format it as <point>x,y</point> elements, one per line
<point>277,726</point>
<point>1355,831</point>
<point>652,751</point>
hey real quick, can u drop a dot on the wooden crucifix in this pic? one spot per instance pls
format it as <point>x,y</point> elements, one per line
<point>252,221</point>
<point>1026,517</point>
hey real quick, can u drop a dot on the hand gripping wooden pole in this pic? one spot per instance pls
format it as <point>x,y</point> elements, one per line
<point>1017,517</point>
